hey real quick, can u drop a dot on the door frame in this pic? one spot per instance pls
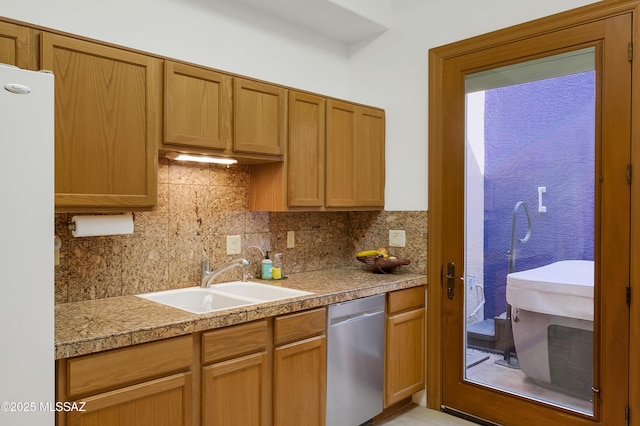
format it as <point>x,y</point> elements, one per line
<point>438,151</point>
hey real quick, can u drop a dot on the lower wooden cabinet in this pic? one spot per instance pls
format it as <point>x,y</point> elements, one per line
<point>148,384</point>
<point>235,388</point>
<point>266,372</point>
<point>300,383</point>
<point>161,402</point>
<point>235,392</point>
<point>299,369</point>
<point>405,344</point>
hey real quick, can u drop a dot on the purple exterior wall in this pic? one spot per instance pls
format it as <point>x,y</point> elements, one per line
<point>538,134</point>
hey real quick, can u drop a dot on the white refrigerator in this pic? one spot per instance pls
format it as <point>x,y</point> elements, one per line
<point>26,247</point>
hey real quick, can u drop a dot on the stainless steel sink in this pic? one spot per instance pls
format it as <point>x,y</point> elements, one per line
<point>218,297</point>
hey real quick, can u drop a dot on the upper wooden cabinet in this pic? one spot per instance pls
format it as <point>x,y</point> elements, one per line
<point>107,124</point>
<point>369,166</point>
<point>259,117</point>
<point>335,159</point>
<point>355,155</point>
<point>18,46</point>
<point>305,150</point>
<point>198,108</point>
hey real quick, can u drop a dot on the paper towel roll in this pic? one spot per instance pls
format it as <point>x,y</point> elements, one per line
<point>91,226</point>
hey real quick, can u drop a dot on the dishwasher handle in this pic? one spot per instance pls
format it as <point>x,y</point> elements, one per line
<point>345,319</point>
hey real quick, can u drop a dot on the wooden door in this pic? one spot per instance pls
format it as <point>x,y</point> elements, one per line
<point>198,108</point>
<point>608,32</point>
<point>355,159</point>
<point>236,392</point>
<point>299,381</point>
<point>305,160</point>
<point>369,169</point>
<point>107,119</point>
<point>404,355</point>
<point>161,402</point>
<point>340,156</point>
<point>259,117</point>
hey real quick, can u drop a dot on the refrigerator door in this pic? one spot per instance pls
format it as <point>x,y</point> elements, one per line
<point>26,247</point>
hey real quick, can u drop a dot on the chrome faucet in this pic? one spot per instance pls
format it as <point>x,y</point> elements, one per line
<point>208,275</point>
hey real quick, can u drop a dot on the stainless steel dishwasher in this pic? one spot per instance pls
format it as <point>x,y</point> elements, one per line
<point>355,361</point>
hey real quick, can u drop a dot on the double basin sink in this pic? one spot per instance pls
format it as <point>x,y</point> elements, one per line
<point>218,297</point>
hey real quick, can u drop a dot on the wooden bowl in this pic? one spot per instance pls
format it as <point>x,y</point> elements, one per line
<point>382,265</point>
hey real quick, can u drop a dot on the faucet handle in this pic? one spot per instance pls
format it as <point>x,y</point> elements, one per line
<point>245,275</point>
<point>205,267</point>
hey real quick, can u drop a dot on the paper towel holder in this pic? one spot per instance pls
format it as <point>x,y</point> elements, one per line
<point>71,225</point>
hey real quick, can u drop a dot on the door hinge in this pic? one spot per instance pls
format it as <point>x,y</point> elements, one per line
<point>629,295</point>
<point>630,51</point>
<point>627,415</point>
<point>629,173</point>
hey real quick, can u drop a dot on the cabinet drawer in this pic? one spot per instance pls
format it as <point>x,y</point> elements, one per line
<point>91,373</point>
<point>234,341</point>
<point>300,326</point>
<point>402,300</point>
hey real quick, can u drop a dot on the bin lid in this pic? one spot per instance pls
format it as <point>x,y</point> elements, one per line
<point>563,288</point>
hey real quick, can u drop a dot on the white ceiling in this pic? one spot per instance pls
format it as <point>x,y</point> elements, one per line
<point>346,21</point>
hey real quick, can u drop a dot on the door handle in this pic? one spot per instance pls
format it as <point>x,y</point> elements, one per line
<point>451,280</point>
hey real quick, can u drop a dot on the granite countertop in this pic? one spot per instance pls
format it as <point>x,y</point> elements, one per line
<point>97,325</point>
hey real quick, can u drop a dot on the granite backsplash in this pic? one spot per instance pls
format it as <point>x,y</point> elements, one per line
<point>198,206</point>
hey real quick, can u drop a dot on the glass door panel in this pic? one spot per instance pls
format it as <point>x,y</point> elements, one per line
<point>529,229</point>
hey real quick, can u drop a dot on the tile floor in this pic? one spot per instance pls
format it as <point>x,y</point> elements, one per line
<point>415,415</point>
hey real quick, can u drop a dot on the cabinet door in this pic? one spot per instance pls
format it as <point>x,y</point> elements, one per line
<point>17,46</point>
<point>341,138</point>
<point>300,383</point>
<point>305,150</point>
<point>355,156</point>
<point>161,402</point>
<point>369,168</point>
<point>236,392</point>
<point>404,355</point>
<point>197,107</point>
<point>258,114</point>
<point>107,124</point>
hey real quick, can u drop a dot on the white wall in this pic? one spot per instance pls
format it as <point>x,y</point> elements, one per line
<point>222,34</point>
<point>389,71</point>
<point>392,72</point>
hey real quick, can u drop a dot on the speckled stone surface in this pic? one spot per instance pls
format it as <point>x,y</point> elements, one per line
<point>90,326</point>
<point>199,205</point>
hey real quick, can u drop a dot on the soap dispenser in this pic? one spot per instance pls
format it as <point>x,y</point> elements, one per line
<point>276,271</point>
<point>267,266</point>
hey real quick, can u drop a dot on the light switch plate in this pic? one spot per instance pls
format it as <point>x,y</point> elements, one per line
<point>234,244</point>
<point>397,238</point>
<point>291,239</point>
